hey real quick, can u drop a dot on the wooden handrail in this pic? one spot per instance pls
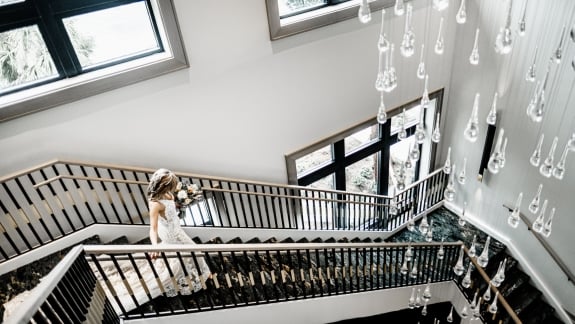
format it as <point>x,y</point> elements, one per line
<point>547,247</point>
<point>500,297</point>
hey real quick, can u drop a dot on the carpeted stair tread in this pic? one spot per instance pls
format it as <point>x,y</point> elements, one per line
<point>235,240</point>
<point>271,240</point>
<point>254,240</point>
<point>302,240</point>
<point>287,240</point>
<point>122,240</point>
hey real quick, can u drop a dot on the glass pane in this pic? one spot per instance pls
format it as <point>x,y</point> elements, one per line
<point>397,168</point>
<point>288,7</point>
<point>313,160</point>
<point>326,183</point>
<point>361,176</point>
<point>316,206</point>
<point>24,57</point>
<point>112,34</point>
<point>360,138</point>
<point>9,2</point>
<point>411,118</point>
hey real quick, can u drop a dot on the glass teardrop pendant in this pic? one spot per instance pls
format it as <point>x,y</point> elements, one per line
<point>461,220</point>
<point>439,44</point>
<point>462,178</point>
<point>382,43</point>
<point>472,250</point>
<point>483,258</point>
<point>424,309</point>
<point>472,129</point>
<point>536,156</point>
<point>504,39</point>
<point>402,133</point>
<point>449,318</point>
<point>548,225</point>
<point>407,47</point>
<point>559,170</point>
<point>449,192</point>
<point>411,303</point>
<point>381,72</point>
<point>415,153</point>
<point>474,56</point>
<point>427,292</point>
<point>425,95</point>
<point>390,76</point>
<point>546,168</point>
<point>399,8</point>
<point>429,234</point>
<point>539,221</point>
<point>447,165</point>
<point>497,280</point>
<point>466,281</point>
<point>421,66</point>
<point>420,133</point>
<point>461,16</point>
<point>501,272</point>
<point>464,312</point>
<point>414,271</point>
<point>522,25</point>
<point>514,217</point>
<point>493,306</point>
<point>494,164</point>
<point>487,293</point>
<point>408,163</point>
<point>436,134</point>
<point>458,269</point>
<point>411,225</point>
<point>558,54</point>
<point>534,205</point>
<point>533,102</point>
<point>440,5</point>
<point>571,143</point>
<point>531,71</point>
<point>536,108</point>
<point>492,116</point>
<point>477,310</point>
<point>404,269</point>
<point>441,252</point>
<point>418,298</point>
<point>364,13</point>
<point>473,304</point>
<point>502,158</point>
<point>424,225</point>
<point>381,113</point>
<point>392,203</point>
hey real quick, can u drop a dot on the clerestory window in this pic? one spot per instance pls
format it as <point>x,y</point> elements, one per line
<point>56,51</point>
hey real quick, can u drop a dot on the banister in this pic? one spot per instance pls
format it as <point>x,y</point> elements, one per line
<point>500,297</point>
<point>547,247</point>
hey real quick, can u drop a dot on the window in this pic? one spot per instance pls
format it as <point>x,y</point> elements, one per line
<point>368,158</point>
<point>54,52</point>
<point>289,17</point>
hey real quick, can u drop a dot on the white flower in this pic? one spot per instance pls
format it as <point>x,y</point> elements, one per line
<point>182,194</point>
<point>193,188</point>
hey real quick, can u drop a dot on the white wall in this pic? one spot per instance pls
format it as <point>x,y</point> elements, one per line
<point>545,20</point>
<point>243,104</point>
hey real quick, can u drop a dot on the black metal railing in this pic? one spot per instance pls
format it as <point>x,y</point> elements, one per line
<point>53,200</point>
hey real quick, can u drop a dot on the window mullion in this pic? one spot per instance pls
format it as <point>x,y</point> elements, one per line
<point>57,41</point>
<point>385,156</point>
<point>339,159</point>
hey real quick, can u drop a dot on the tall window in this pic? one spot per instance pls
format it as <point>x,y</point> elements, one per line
<point>56,51</point>
<point>368,158</point>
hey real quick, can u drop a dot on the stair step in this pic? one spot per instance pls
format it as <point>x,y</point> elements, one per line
<point>271,240</point>
<point>254,240</point>
<point>235,240</point>
<point>122,240</point>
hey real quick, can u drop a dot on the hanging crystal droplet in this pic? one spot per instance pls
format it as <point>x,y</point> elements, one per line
<point>440,5</point>
<point>530,76</point>
<point>464,312</point>
<point>439,44</point>
<point>418,298</point>
<point>546,168</point>
<point>559,170</point>
<point>414,271</point>
<point>411,303</point>
<point>381,72</point>
<point>548,225</point>
<point>502,158</point>
<point>483,258</point>
<point>424,309</point>
<point>392,203</point>
<point>472,250</point>
<point>536,156</point>
<point>441,251</point>
<point>466,281</point>
<point>462,178</point>
<point>522,26</point>
<point>421,66</point>
<point>390,76</point>
<point>474,56</point>
<point>461,16</point>
<point>571,143</point>
<point>411,225</point>
<point>408,43</point>
<point>420,133</point>
<point>382,43</point>
<point>558,54</point>
<point>458,269</point>
<point>472,130</point>
<point>381,113</point>
<point>501,271</point>
<point>429,234</point>
<point>364,13</point>
<point>461,221</point>
<point>425,95</point>
<point>447,165</point>
<point>536,108</point>
<point>436,135</point>
<point>539,221</point>
<point>477,310</point>
<point>504,39</point>
<point>514,217</point>
<point>494,160</point>
<point>409,253</point>
<point>534,205</point>
<point>424,225</point>
<point>493,306</point>
<point>487,293</point>
<point>534,100</point>
<point>402,133</point>
<point>492,116</point>
<point>473,304</point>
<point>404,269</point>
<point>399,8</point>
<point>415,153</point>
<point>449,318</point>
<point>449,192</point>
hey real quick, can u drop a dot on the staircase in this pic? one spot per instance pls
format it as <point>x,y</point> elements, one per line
<point>522,296</point>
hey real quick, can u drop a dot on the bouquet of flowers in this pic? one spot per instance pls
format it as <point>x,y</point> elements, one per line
<point>186,194</point>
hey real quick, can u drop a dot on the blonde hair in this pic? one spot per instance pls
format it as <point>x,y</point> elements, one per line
<point>163,181</point>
